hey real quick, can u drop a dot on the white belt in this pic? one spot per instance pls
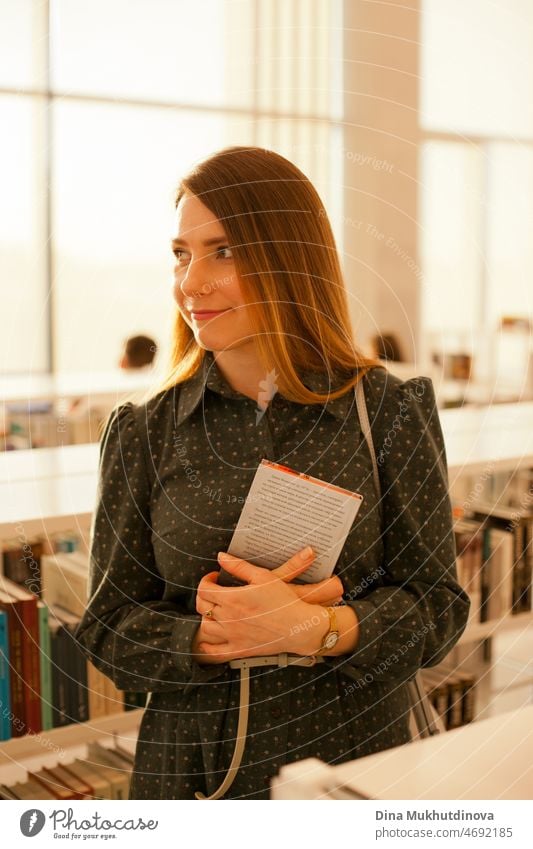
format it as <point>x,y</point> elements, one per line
<point>245,664</point>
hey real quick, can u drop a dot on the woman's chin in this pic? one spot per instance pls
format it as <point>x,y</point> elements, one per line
<point>212,341</point>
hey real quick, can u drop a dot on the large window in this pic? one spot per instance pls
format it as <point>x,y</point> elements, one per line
<point>476,177</point>
<point>105,105</point>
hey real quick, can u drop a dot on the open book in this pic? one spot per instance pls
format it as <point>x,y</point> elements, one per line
<point>286,510</point>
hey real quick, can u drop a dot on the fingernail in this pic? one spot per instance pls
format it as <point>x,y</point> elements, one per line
<point>223,555</point>
<point>307,553</point>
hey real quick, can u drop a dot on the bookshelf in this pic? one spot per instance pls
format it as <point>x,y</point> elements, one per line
<point>482,442</point>
<point>39,411</point>
<point>54,490</point>
<point>62,744</point>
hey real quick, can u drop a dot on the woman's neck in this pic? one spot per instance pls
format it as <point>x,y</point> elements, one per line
<point>242,369</point>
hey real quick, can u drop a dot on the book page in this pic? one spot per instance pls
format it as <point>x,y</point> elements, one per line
<point>286,510</point>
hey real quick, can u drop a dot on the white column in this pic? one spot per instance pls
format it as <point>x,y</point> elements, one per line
<point>381,55</point>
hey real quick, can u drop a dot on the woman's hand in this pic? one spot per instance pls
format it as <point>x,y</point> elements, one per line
<point>326,592</point>
<point>265,617</point>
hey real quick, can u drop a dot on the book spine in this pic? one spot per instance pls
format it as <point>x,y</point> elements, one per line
<point>469,698</point>
<point>18,710</point>
<point>45,667</point>
<point>23,566</point>
<point>5,700</point>
<point>494,607</point>
<point>81,689</point>
<point>485,576</point>
<point>528,563</point>
<point>96,685</point>
<point>438,696</point>
<point>517,570</point>
<point>59,682</point>
<point>31,666</point>
<point>455,704</point>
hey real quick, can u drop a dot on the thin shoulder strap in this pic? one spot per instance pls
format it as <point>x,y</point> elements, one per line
<point>367,433</point>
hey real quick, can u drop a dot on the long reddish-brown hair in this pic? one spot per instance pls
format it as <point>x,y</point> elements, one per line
<point>288,267</point>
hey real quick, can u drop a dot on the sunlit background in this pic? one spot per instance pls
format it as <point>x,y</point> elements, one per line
<point>414,120</point>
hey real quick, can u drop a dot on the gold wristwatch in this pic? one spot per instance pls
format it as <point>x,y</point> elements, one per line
<point>332,637</point>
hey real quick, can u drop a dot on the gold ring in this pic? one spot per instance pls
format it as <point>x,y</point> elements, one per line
<point>209,614</point>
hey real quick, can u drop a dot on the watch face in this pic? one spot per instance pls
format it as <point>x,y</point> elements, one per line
<point>331,640</point>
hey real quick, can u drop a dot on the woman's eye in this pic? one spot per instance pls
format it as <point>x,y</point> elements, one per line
<point>180,256</point>
<point>228,253</point>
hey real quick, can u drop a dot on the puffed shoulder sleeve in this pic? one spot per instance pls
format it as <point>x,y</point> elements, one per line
<point>128,630</point>
<point>419,612</point>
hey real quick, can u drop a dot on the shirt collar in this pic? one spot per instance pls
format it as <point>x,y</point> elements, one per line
<point>209,376</point>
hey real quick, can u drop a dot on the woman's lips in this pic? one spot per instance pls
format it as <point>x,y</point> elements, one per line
<point>200,314</point>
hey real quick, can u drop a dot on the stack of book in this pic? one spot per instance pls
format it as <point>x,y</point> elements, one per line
<point>45,679</point>
<point>494,560</point>
<point>40,424</point>
<point>21,558</point>
<point>104,773</point>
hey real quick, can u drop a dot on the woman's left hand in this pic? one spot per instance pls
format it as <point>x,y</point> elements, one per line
<point>264,617</point>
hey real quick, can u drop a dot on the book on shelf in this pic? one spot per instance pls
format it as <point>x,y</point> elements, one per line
<point>6,793</point>
<point>5,697</point>
<point>25,675</point>
<point>70,701</point>
<point>494,560</point>
<point>30,789</point>
<point>48,780</point>
<point>61,775</point>
<point>64,579</point>
<point>519,523</point>
<point>46,681</point>
<point>45,666</point>
<point>452,694</point>
<point>104,772</point>
<point>39,425</point>
<point>22,562</point>
<point>100,787</point>
<point>119,772</point>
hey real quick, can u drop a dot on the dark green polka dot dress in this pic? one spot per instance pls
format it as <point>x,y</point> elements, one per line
<point>163,513</point>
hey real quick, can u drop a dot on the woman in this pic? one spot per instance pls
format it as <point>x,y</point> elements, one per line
<point>264,366</point>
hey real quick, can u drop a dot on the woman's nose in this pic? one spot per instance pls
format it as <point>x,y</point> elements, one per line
<point>193,281</point>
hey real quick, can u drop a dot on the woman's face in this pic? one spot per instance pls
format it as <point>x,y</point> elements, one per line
<point>206,286</point>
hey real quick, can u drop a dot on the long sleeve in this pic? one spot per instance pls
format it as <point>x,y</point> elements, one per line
<point>417,611</point>
<point>129,631</point>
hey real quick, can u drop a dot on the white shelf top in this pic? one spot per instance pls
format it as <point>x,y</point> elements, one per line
<point>34,502</point>
<point>487,759</point>
<point>496,437</point>
<point>89,385</point>
<point>63,461</point>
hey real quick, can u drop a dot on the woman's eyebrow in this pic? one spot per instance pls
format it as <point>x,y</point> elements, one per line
<point>215,240</point>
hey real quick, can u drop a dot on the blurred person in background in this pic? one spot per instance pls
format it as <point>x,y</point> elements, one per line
<point>139,352</point>
<point>387,347</point>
